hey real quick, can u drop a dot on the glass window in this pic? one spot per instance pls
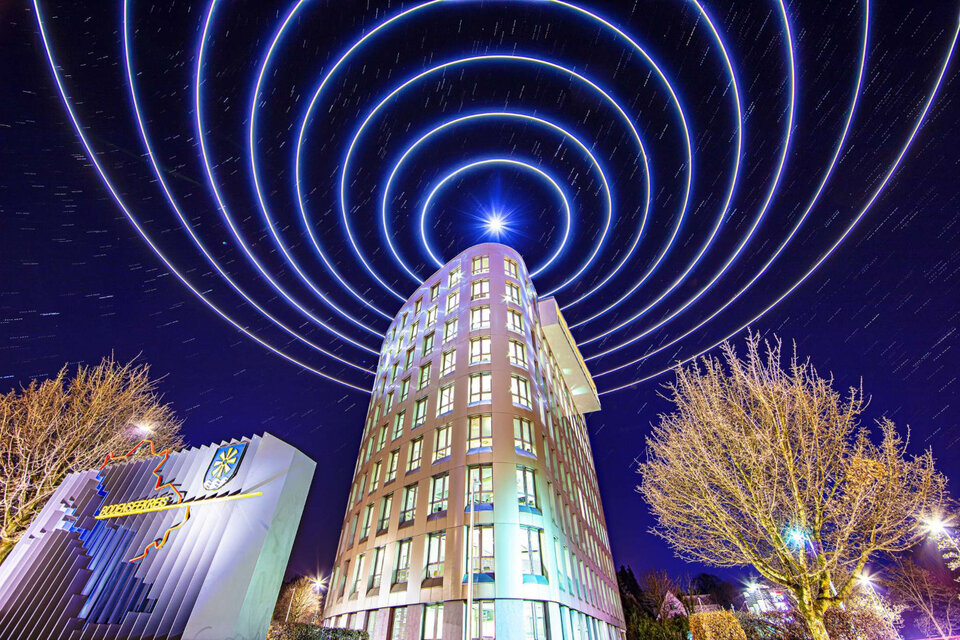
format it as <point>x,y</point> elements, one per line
<point>484,626</point>
<point>479,431</point>
<point>480,481</point>
<point>414,331</point>
<point>382,438</point>
<point>513,293</point>
<point>416,453</point>
<point>398,623</point>
<point>448,362</point>
<point>432,621</point>
<point>481,384</point>
<point>357,574</point>
<point>480,289</point>
<point>402,572</point>
<point>480,264</point>
<point>456,275</point>
<point>445,399</point>
<point>377,573</point>
<point>431,316</point>
<point>409,360</point>
<point>482,552</point>
<point>439,492</point>
<point>514,320</point>
<point>361,487</point>
<point>386,505</point>
<point>517,352</point>
<point>450,330</point>
<point>436,551</point>
<point>375,476</point>
<point>427,345</point>
<point>510,268</point>
<point>405,389</point>
<point>527,487</point>
<point>398,424</point>
<point>479,318</point>
<point>353,527</point>
<point>531,560</point>
<point>434,292</point>
<point>418,306</point>
<point>523,435</point>
<point>419,412</point>
<point>409,507</point>
<point>441,445</point>
<point>535,620</point>
<point>424,377</point>
<point>453,300</point>
<point>392,463</point>
<point>520,391</point>
<point>394,370</point>
<point>480,349</point>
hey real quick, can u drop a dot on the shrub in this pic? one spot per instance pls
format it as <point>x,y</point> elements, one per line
<point>716,625</point>
<point>304,631</point>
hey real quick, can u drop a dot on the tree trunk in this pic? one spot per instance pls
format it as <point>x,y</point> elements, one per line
<point>814,620</point>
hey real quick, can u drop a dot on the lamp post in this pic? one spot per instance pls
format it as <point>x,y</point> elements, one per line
<point>318,587</point>
<point>474,485</point>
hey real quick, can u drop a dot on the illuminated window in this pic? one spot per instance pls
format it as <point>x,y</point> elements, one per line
<point>418,306</point>
<point>389,403</point>
<point>523,435</point>
<point>398,424</point>
<point>414,331</point>
<point>353,530</point>
<point>402,572</point>
<point>482,552</point>
<point>438,493</point>
<point>479,318</point>
<point>375,476</point>
<point>424,378</point>
<point>510,267</point>
<point>409,361</point>
<point>527,487</point>
<point>436,551</point>
<point>382,438</point>
<point>419,412</point>
<point>357,574</point>
<point>520,391</point>
<point>480,349</point>
<point>445,399</point>
<point>398,623</point>
<point>427,345</point>
<point>404,388</point>
<point>431,316</point>
<point>367,521</point>
<point>531,558</point>
<point>450,330</point>
<point>480,482</point>
<point>377,573</point>
<point>514,320</point>
<point>484,626</point>
<point>392,463</point>
<point>481,385</point>
<point>432,621</point>
<point>517,352</point>
<point>480,289</point>
<point>480,264</point>
<point>513,293</point>
<point>456,275</point>
<point>441,445</point>
<point>434,292</point>
<point>360,488</point>
<point>408,509</point>
<point>479,431</point>
<point>416,454</point>
<point>453,300</point>
<point>394,370</point>
<point>535,620</point>
<point>448,362</point>
<point>386,505</point>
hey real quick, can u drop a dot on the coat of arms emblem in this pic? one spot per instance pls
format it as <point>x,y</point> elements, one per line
<point>226,461</point>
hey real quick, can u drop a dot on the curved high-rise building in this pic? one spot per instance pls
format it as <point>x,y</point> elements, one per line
<point>479,386</point>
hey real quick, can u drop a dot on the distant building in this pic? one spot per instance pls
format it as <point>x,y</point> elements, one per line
<point>477,414</point>
<point>671,607</point>
<point>700,603</point>
<point>761,599</point>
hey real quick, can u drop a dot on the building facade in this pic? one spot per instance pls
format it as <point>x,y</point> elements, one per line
<point>479,386</point>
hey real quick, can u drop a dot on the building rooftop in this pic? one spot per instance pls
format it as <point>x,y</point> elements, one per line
<point>564,348</point>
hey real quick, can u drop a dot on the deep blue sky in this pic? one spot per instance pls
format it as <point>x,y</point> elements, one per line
<point>76,282</point>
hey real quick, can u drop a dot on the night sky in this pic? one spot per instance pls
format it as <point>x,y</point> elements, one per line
<point>548,110</point>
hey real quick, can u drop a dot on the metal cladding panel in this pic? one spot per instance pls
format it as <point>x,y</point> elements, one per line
<point>153,571</point>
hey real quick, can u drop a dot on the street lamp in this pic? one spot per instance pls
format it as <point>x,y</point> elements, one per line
<point>319,586</point>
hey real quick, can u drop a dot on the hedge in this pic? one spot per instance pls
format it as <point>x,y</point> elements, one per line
<point>716,625</point>
<point>303,631</point>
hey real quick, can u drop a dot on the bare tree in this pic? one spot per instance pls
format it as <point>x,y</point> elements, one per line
<point>772,468</point>
<point>51,428</point>
<point>935,598</point>
<point>300,601</point>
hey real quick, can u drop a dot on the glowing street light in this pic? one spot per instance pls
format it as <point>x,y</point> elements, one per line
<point>938,526</point>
